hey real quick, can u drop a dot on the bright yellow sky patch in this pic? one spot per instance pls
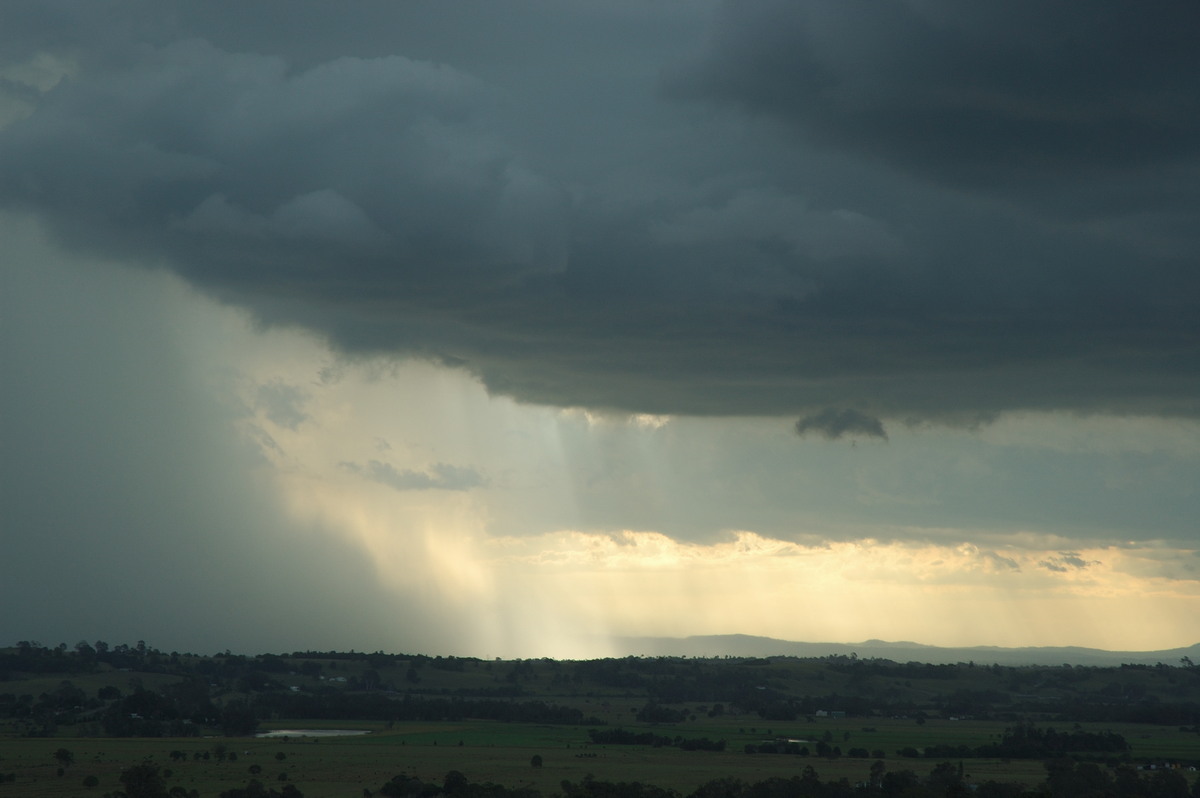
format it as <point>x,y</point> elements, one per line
<point>565,592</point>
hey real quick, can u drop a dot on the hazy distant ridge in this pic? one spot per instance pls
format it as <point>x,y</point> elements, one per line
<point>902,651</point>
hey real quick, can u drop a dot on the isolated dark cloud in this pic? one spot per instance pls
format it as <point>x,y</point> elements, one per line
<point>1066,561</point>
<point>283,404</point>
<point>832,423</point>
<point>984,209</point>
<point>999,561</point>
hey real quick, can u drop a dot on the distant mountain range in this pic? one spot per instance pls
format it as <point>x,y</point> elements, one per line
<point>750,646</point>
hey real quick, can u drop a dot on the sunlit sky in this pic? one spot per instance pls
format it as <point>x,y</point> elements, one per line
<point>510,329</point>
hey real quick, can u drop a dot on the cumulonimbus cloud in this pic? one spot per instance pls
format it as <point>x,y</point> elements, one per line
<point>399,205</point>
<point>1004,95</point>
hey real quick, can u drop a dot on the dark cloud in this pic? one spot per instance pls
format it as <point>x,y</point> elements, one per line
<point>832,424</point>
<point>439,476</point>
<point>506,200</point>
<point>352,172</point>
<point>1019,92</point>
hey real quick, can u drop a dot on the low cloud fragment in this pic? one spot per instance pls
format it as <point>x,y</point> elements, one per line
<point>834,424</point>
<point>1000,562</point>
<point>439,476</point>
<point>1066,561</point>
<point>283,404</point>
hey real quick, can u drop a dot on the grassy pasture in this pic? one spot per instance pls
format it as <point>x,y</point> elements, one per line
<point>501,753</point>
<point>343,766</point>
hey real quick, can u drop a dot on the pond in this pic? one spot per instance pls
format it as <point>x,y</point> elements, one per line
<point>312,733</point>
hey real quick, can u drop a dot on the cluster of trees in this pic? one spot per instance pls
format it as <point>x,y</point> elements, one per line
<point>189,707</point>
<point>183,709</point>
<point>893,670</point>
<point>454,785</point>
<point>342,705</point>
<point>30,656</point>
<point>1145,709</point>
<point>668,680</point>
<point>1064,779</point>
<point>255,789</point>
<point>655,712</point>
<point>776,705</point>
<point>626,737</point>
<point>1026,741</point>
<point>150,781</point>
<point>39,716</point>
<point>229,692</point>
<point>780,747</point>
<point>822,749</point>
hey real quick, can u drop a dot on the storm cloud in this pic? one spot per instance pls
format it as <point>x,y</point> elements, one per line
<point>980,210</point>
<point>485,325</point>
<point>1024,93</point>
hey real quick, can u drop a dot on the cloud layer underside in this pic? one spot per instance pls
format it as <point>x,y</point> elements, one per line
<point>968,211</point>
<point>1018,93</point>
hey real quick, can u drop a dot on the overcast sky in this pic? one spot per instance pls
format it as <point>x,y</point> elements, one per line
<point>503,328</point>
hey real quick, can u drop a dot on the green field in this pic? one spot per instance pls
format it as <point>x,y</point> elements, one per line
<point>500,752</point>
<point>51,699</point>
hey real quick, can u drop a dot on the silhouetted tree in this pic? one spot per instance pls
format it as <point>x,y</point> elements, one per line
<point>64,757</point>
<point>144,781</point>
<point>455,783</point>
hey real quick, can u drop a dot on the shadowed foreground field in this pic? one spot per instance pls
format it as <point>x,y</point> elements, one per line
<point>488,751</point>
<point>676,723</point>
